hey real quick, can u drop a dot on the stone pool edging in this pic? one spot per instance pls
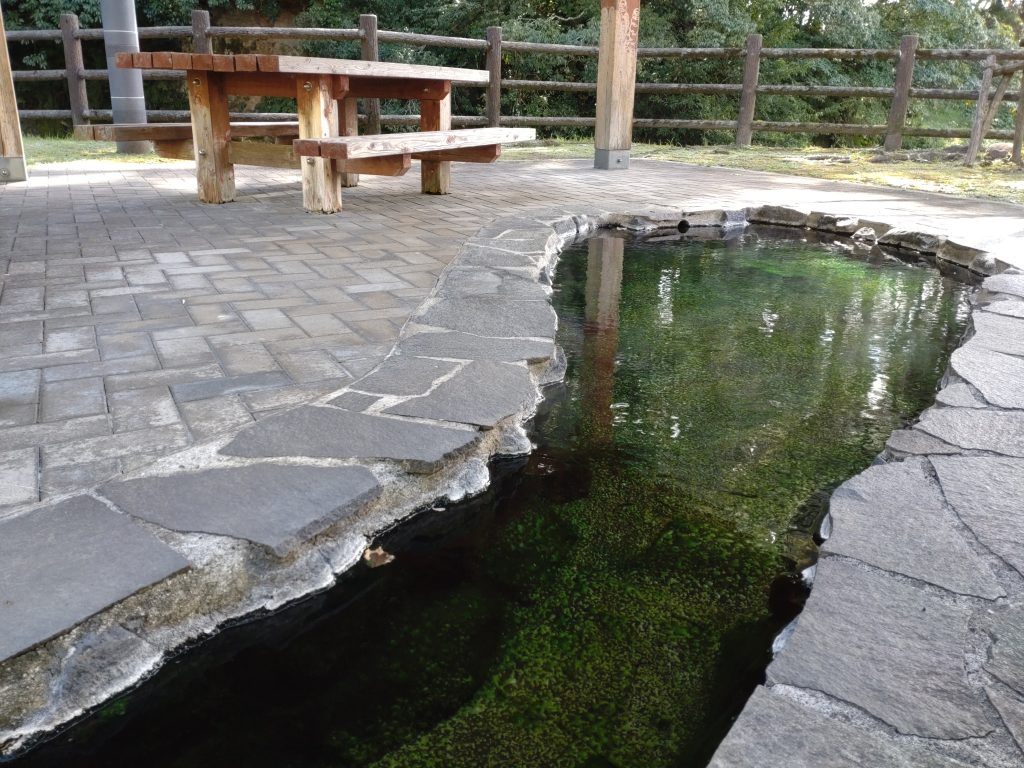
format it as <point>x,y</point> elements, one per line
<point>214,567</point>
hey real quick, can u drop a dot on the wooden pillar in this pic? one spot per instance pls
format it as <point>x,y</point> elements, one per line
<point>74,68</point>
<point>436,115</point>
<point>201,32</point>
<point>977,132</point>
<point>318,119</point>
<point>494,71</point>
<point>349,127</point>
<point>12,150</point>
<point>901,93</point>
<point>211,125</point>
<point>370,51</point>
<point>1018,125</point>
<point>748,94</point>
<point>616,83</point>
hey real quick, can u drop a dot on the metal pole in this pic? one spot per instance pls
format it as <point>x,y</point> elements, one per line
<point>127,101</point>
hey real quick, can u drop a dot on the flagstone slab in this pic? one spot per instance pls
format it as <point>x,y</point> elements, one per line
<point>974,429</point>
<point>776,732</point>
<point>893,517</point>
<point>1011,709</point>
<point>332,433</point>
<point>1006,659</point>
<point>482,394</point>
<point>1012,284</point>
<point>886,646</point>
<point>987,493</point>
<point>467,346</point>
<point>274,505</point>
<point>999,333</point>
<point>62,563</point>
<point>492,317</point>
<point>999,377</point>
<point>404,375</point>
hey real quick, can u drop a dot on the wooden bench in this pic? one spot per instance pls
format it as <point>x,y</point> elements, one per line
<point>174,140</point>
<point>391,154</point>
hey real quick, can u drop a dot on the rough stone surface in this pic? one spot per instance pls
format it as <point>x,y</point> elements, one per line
<point>466,346</point>
<point>774,731</point>
<point>462,282</point>
<point>960,395</point>
<point>273,505</point>
<point>888,647</point>
<point>974,429</point>
<point>712,218</point>
<point>919,443</point>
<point>1011,709</point>
<point>998,332</point>
<point>1006,659</point>
<point>492,317</point>
<point>778,215</point>
<point>911,240</point>
<point>19,476</point>
<point>988,494</point>
<point>482,393</point>
<point>1008,307</point>
<point>354,401</point>
<point>999,377</point>
<point>893,517</point>
<point>958,254</point>
<point>337,434</point>
<point>1011,284</point>
<point>404,375</point>
<point>838,224</point>
<point>64,562</point>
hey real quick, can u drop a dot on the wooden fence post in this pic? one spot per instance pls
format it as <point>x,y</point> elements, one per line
<point>74,66</point>
<point>980,112</point>
<point>12,150</point>
<point>1018,125</point>
<point>201,42</point>
<point>901,93</point>
<point>748,95</point>
<point>494,70</point>
<point>370,51</point>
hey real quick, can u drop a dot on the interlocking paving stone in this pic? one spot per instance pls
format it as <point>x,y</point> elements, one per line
<point>467,346</point>
<point>776,732</point>
<point>987,493</point>
<point>19,388</point>
<point>333,433</point>
<point>1011,709</point>
<point>888,647</point>
<point>404,375</point>
<point>273,505</point>
<point>482,393</point>
<point>996,431</point>
<point>230,385</point>
<point>492,317</point>
<point>19,476</point>
<point>64,562</point>
<point>893,517</point>
<point>1006,659</point>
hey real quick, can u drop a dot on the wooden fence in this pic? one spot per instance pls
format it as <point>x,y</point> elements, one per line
<point>200,36</point>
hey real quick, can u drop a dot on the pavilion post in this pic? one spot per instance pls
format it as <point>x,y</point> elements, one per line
<point>127,101</point>
<point>12,150</point>
<point>616,83</point>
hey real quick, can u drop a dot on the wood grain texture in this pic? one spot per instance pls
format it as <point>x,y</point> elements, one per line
<point>208,102</point>
<point>748,93</point>
<point>901,93</point>
<point>318,119</point>
<point>616,74</point>
<point>980,112</point>
<point>369,50</point>
<point>436,175</point>
<point>487,153</point>
<point>175,131</point>
<point>349,126</point>
<point>385,88</point>
<point>412,143</point>
<point>308,65</point>
<point>10,127</point>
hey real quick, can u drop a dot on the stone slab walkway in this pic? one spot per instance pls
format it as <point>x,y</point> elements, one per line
<point>136,323</point>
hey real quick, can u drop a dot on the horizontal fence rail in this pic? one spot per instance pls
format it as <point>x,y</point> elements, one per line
<point>994,63</point>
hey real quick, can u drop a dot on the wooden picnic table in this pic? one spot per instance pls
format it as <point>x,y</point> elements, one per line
<point>327,149</point>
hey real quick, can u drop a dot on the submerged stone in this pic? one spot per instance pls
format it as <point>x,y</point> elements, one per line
<point>987,493</point>
<point>336,434</point>
<point>270,504</point>
<point>886,646</point>
<point>893,517</point>
<point>62,563</point>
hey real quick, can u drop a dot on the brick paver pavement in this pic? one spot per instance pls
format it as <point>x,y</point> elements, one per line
<point>135,320</point>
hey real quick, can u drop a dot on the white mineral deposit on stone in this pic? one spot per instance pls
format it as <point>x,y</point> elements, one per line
<point>826,527</point>
<point>783,637</point>
<point>807,574</point>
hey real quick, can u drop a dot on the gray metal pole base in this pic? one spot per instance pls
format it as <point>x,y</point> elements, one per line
<point>611,159</point>
<point>12,169</point>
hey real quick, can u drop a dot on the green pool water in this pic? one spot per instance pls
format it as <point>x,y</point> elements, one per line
<point>611,599</point>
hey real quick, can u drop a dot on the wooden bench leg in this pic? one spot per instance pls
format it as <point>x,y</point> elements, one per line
<point>436,115</point>
<point>349,127</point>
<point>208,102</point>
<point>318,119</point>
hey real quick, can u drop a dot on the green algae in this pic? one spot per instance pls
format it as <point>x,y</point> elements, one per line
<point>607,601</point>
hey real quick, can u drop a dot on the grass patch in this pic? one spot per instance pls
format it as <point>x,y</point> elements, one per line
<point>999,180</point>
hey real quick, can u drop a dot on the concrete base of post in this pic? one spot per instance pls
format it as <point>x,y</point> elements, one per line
<point>611,159</point>
<point>12,169</point>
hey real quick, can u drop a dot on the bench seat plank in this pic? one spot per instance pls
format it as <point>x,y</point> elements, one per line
<point>179,131</point>
<point>381,145</point>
